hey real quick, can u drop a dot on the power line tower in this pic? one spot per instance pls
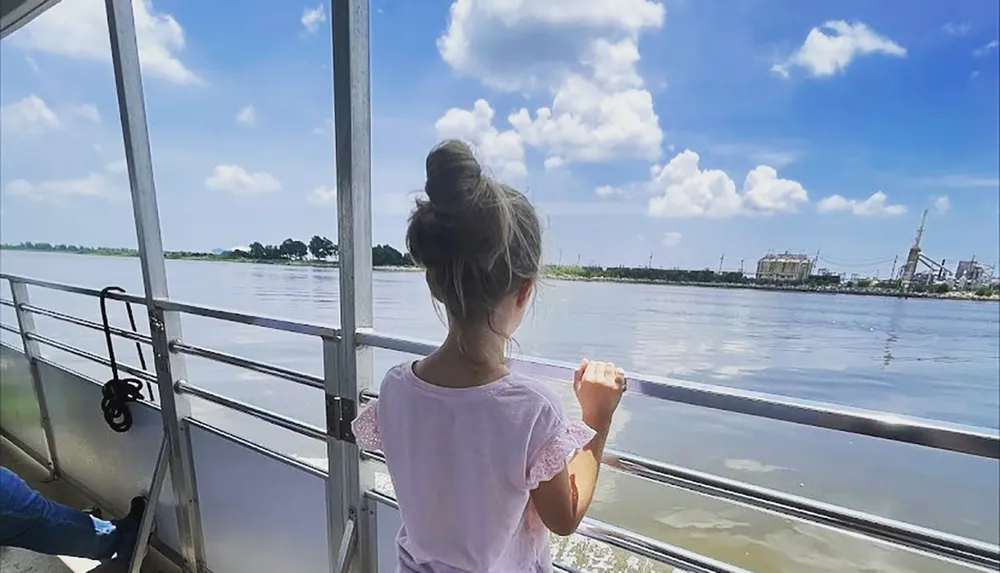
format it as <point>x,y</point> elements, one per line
<point>722,259</point>
<point>892,273</point>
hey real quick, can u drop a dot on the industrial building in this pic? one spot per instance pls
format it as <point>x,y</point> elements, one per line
<point>784,267</point>
<point>971,274</point>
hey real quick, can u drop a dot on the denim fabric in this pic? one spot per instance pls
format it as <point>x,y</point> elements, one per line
<point>30,521</point>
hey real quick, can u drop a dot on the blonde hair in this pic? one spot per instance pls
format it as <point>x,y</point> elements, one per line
<point>478,239</point>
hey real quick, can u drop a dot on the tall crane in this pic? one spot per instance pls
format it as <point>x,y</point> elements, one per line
<point>915,258</point>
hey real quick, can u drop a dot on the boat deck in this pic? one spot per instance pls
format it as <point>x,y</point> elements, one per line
<point>21,561</point>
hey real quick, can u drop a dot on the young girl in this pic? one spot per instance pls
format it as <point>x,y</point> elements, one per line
<point>484,461</point>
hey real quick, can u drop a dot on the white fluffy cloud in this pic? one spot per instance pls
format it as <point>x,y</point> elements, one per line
<point>683,189</point>
<point>956,29</point>
<point>830,48</point>
<point>313,17</point>
<point>238,181</point>
<point>79,29</point>
<point>501,151</point>
<point>92,185</point>
<point>30,115</point>
<point>587,122</point>
<point>671,239</point>
<point>764,191</point>
<point>876,205</point>
<point>517,45</point>
<point>942,204</point>
<point>247,116</point>
<point>104,184</point>
<point>607,191</point>
<point>582,52</point>
<point>84,111</point>
<point>554,162</point>
<point>986,49</point>
<point>323,195</point>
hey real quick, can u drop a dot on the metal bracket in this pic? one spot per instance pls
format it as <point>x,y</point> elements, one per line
<point>341,411</point>
<point>346,547</point>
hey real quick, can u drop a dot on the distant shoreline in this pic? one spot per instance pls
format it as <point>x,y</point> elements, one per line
<point>952,295</point>
<point>856,291</point>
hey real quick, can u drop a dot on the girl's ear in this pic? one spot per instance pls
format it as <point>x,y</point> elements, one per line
<point>524,293</point>
<point>430,284</point>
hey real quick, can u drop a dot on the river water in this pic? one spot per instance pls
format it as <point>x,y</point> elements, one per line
<point>930,358</point>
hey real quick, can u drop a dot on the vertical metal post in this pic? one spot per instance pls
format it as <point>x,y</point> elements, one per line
<point>149,516</point>
<point>26,323</point>
<point>368,546</point>
<point>163,326</point>
<point>349,366</point>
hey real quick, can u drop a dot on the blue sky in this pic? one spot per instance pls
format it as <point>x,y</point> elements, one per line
<point>677,129</point>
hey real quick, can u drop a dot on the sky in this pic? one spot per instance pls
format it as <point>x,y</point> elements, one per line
<point>673,131</point>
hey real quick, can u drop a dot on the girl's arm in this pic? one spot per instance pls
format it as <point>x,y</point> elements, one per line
<point>562,501</point>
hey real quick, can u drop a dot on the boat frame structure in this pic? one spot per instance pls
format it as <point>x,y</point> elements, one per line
<point>219,506</point>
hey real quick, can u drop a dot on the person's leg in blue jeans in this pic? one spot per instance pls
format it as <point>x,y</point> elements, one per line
<point>30,521</point>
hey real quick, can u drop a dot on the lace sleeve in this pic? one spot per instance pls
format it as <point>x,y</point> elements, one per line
<point>553,457</point>
<point>365,427</point>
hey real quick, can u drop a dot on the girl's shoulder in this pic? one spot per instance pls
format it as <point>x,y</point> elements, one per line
<point>533,395</point>
<point>513,390</point>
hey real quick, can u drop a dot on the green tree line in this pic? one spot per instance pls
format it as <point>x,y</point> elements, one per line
<point>319,248</point>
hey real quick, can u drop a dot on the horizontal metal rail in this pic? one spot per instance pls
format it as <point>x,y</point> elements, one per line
<point>238,361</point>
<point>10,328</point>
<point>135,336</point>
<point>273,323</point>
<point>658,551</point>
<point>70,349</point>
<point>294,326</point>
<point>259,449</point>
<point>953,437</point>
<point>937,544</point>
<point>940,435</point>
<point>279,420</point>
<point>6,302</point>
<point>53,285</point>
<point>963,551</point>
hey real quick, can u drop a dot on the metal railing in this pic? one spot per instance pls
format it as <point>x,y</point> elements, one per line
<point>954,549</point>
<point>894,427</point>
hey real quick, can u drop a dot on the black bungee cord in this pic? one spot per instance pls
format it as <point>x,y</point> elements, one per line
<point>118,392</point>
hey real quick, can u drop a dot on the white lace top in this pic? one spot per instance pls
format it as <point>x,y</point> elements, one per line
<point>462,462</point>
